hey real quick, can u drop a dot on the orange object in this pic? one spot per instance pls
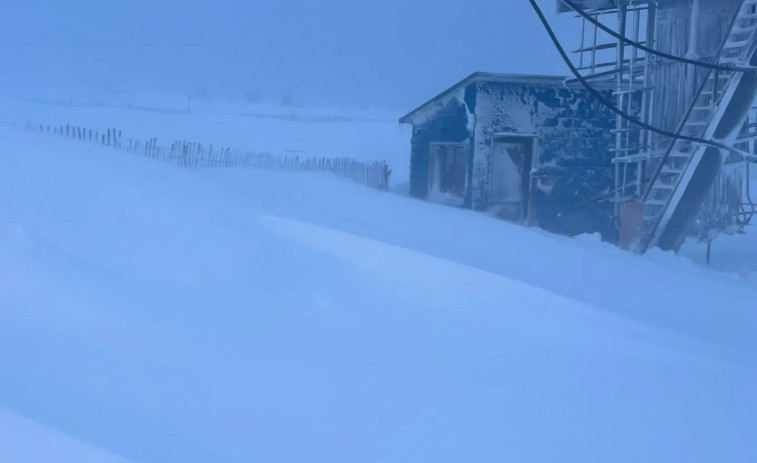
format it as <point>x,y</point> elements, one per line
<point>631,222</point>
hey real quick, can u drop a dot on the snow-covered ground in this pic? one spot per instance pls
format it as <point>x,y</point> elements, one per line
<point>732,254</point>
<point>24,441</point>
<point>236,315</point>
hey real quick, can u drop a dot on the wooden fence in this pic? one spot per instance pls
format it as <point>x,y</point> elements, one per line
<point>190,154</point>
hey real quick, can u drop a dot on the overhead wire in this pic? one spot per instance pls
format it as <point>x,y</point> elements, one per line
<point>609,104</point>
<point>652,51</point>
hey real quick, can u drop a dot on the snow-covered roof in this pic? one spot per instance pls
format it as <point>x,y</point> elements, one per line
<point>533,79</point>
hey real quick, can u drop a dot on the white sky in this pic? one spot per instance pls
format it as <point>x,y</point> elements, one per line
<point>390,53</point>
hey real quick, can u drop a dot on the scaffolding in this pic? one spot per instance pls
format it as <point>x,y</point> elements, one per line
<point>675,96</point>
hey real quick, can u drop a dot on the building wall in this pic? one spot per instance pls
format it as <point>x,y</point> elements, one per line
<point>675,83</point>
<point>447,120</point>
<point>573,138</point>
<point>573,150</point>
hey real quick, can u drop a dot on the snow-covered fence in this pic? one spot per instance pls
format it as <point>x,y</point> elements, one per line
<point>190,154</point>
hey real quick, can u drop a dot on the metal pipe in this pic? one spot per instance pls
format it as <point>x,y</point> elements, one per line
<point>594,46</point>
<point>691,52</point>
<point>583,43</point>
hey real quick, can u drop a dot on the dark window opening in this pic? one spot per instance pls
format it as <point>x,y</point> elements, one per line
<point>448,167</point>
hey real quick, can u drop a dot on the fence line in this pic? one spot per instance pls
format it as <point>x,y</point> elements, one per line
<point>185,153</point>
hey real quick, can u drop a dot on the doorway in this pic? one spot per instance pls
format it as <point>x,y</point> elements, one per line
<point>512,158</point>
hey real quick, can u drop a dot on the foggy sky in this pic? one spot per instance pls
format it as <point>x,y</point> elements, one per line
<point>384,53</point>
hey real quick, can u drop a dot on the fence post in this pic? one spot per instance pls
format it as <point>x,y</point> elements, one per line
<point>375,174</point>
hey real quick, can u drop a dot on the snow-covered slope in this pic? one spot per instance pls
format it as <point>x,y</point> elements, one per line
<point>229,316</point>
<point>24,441</point>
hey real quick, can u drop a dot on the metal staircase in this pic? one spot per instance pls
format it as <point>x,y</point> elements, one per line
<point>682,173</point>
<point>663,183</point>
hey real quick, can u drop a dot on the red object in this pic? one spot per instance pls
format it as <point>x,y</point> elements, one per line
<point>631,222</point>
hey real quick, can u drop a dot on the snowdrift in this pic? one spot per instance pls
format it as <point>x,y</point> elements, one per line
<point>228,316</point>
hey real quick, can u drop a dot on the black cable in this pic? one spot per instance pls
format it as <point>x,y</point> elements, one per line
<point>598,95</point>
<point>652,51</point>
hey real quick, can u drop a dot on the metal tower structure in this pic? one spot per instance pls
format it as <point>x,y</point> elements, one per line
<point>684,85</point>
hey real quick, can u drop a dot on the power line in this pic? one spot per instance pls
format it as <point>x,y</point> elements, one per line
<point>652,51</point>
<point>598,95</point>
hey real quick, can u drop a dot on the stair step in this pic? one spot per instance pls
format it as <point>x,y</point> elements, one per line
<point>733,52</point>
<point>654,207</point>
<point>732,60</point>
<point>670,178</point>
<point>670,170</point>
<point>664,186</point>
<point>679,155</point>
<point>696,123</point>
<point>735,44</point>
<point>656,202</point>
<point>741,30</point>
<point>661,194</point>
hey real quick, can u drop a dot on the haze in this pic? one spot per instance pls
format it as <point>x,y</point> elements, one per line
<point>390,53</point>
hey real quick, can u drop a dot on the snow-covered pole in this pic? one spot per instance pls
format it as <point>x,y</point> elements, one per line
<point>691,51</point>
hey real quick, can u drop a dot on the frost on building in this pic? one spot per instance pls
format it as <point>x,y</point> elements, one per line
<point>526,148</point>
<point>669,161</point>
<point>684,69</point>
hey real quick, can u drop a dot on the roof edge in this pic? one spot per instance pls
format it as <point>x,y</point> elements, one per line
<point>539,79</point>
<point>488,77</point>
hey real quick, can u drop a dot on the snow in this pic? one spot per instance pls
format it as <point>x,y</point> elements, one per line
<point>164,315</point>
<point>24,441</point>
<point>732,254</point>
